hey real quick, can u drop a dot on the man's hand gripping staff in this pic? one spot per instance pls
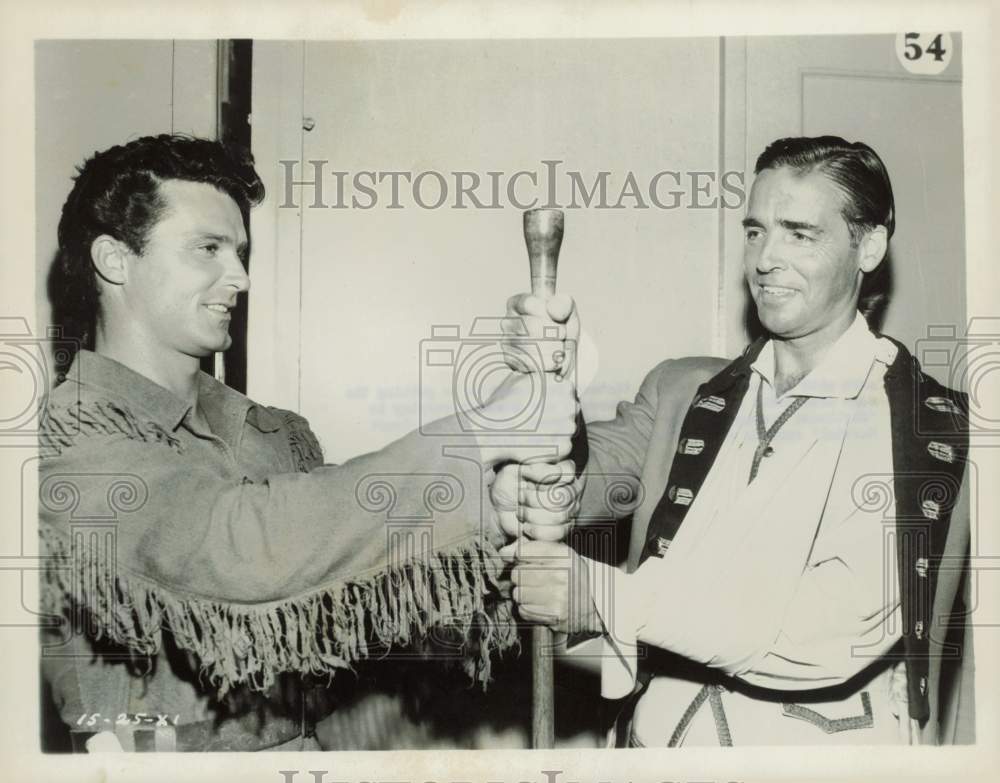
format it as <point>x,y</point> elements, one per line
<point>538,497</point>
<point>537,501</point>
<point>536,494</point>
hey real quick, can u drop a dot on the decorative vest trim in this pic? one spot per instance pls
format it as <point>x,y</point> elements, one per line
<point>930,443</point>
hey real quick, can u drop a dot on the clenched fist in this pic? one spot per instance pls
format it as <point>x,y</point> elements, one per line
<point>537,500</point>
<point>552,585</point>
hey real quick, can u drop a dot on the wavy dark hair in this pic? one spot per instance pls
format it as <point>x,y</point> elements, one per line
<point>117,192</point>
<point>861,177</point>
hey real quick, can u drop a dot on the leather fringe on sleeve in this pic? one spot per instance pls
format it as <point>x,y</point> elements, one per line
<point>316,633</point>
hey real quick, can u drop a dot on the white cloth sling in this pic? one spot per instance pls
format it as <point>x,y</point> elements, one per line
<point>787,583</point>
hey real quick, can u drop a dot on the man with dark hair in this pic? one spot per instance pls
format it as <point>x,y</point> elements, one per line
<point>818,481</point>
<point>237,565</point>
<point>868,200</point>
<point>117,193</point>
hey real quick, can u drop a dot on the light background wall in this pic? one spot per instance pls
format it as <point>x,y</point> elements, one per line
<point>855,87</point>
<point>374,283</point>
<point>90,95</point>
<point>343,298</point>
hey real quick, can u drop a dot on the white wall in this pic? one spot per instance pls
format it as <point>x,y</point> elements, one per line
<point>90,95</point>
<point>343,298</point>
<point>364,287</point>
<point>856,87</point>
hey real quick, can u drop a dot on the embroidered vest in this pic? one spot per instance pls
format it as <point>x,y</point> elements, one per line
<point>929,446</point>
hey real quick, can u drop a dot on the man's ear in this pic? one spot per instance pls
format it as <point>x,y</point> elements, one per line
<point>109,255</point>
<point>873,248</point>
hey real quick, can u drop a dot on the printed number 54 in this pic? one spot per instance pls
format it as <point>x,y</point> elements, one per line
<point>914,52</point>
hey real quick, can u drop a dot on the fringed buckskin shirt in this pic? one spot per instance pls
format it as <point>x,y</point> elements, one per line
<point>207,571</point>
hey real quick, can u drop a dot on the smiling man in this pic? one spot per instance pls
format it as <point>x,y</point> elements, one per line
<point>178,298</point>
<point>206,561</point>
<point>818,481</point>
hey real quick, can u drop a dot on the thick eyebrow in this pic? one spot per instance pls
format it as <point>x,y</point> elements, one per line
<point>798,225</point>
<point>789,225</point>
<point>242,249</point>
<point>220,238</point>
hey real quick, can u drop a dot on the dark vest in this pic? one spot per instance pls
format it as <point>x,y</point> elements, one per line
<point>929,447</point>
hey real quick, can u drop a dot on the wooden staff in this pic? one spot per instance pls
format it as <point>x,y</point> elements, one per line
<point>543,232</point>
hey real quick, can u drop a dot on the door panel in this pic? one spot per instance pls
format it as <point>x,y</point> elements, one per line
<point>916,127</point>
<point>375,281</point>
<point>855,87</point>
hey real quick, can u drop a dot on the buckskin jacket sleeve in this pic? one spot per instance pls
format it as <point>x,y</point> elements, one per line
<point>149,529</point>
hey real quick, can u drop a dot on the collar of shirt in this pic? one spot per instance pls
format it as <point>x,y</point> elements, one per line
<point>225,409</point>
<point>842,372</point>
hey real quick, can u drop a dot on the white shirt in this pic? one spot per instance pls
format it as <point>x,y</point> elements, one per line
<point>789,582</point>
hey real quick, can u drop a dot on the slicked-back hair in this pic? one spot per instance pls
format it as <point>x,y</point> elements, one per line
<point>854,167</point>
<point>862,179</point>
<point>117,192</point>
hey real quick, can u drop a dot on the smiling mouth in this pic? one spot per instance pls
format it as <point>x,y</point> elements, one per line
<point>220,309</point>
<point>776,291</point>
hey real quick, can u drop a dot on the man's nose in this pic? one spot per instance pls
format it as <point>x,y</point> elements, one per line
<point>771,256</point>
<point>236,274</point>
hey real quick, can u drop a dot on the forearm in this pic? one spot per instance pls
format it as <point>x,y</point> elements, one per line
<point>286,573</point>
<point>726,634</point>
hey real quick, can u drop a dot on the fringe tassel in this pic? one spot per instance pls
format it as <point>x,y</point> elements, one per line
<point>305,446</point>
<point>316,634</point>
<point>62,425</point>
